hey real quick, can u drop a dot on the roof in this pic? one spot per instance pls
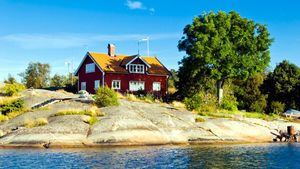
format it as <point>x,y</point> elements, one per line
<point>117,64</point>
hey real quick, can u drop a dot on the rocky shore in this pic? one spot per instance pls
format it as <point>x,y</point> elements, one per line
<point>132,123</point>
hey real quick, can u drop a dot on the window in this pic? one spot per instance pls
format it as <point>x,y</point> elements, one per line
<point>90,68</point>
<point>116,84</point>
<point>156,86</point>
<point>97,84</point>
<point>136,85</point>
<point>83,86</point>
<point>136,68</point>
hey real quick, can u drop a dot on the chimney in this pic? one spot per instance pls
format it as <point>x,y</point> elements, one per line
<point>111,50</point>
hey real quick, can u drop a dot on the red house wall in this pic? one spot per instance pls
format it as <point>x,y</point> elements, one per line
<point>89,78</point>
<point>148,79</point>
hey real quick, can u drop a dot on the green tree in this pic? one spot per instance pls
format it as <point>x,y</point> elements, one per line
<point>36,75</point>
<point>222,46</point>
<point>58,81</point>
<point>248,93</point>
<point>10,79</point>
<point>281,85</point>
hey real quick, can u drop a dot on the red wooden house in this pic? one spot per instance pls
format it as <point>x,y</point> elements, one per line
<point>122,73</point>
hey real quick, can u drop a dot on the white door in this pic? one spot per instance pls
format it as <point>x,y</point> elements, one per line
<point>136,85</point>
<point>83,86</point>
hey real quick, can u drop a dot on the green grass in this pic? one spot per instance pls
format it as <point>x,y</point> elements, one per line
<point>92,120</point>
<point>35,122</point>
<point>199,119</point>
<point>79,112</point>
<point>233,114</point>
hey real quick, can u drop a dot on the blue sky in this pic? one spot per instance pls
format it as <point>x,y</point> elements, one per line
<point>60,31</point>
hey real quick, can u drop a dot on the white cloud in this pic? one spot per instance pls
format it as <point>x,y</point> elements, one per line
<point>138,5</point>
<point>63,41</point>
<point>134,4</point>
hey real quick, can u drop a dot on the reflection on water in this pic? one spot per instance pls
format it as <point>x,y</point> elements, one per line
<point>229,156</point>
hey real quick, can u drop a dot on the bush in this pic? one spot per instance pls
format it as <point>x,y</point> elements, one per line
<point>14,106</point>
<point>106,97</point>
<point>199,119</point>
<point>92,120</point>
<point>229,103</point>
<point>3,118</point>
<point>12,89</point>
<point>259,105</point>
<point>193,103</point>
<point>277,107</point>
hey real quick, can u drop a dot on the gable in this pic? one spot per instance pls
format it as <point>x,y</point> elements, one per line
<point>86,60</point>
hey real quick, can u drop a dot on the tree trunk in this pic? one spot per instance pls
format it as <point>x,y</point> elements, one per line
<point>220,90</point>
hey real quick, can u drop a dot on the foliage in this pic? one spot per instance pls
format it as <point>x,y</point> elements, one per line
<point>229,102</point>
<point>36,75</point>
<point>58,81</point>
<point>199,119</point>
<point>36,122</point>
<point>201,102</point>
<point>92,120</point>
<point>106,97</point>
<point>248,93</point>
<point>282,85</point>
<point>12,89</point>
<point>221,46</point>
<point>277,107</point>
<point>10,80</point>
<point>3,118</point>
<point>172,81</point>
<point>13,106</point>
<point>193,103</point>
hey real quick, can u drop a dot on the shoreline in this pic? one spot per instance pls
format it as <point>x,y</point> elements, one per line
<point>111,145</point>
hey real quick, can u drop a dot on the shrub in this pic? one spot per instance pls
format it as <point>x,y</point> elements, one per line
<point>12,89</point>
<point>199,119</point>
<point>3,118</point>
<point>259,105</point>
<point>106,97</point>
<point>277,107</point>
<point>13,106</point>
<point>36,122</point>
<point>229,103</point>
<point>92,120</point>
<point>193,103</point>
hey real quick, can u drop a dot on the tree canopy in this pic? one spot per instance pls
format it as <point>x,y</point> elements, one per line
<point>221,46</point>
<point>36,75</point>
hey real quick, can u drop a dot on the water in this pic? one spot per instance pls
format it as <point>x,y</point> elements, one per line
<point>229,156</point>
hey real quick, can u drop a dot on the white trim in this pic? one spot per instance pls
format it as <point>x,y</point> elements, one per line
<point>103,74</point>
<point>138,56</point>
<point>136,65</point>
<point>112,84</point>
<point>87,55</point>
<point>159,86</point>
<point>96,87</point>
<point>90,68</point>
<point>137,82</point>
<point>85,85</point>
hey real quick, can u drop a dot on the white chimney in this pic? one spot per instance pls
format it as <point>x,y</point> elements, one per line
<point>111,50</point>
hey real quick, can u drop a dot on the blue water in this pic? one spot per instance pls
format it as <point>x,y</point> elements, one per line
<point>229,156</point>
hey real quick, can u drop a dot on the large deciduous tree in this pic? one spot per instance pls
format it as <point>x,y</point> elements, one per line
<point>221,46</point>
<point>36,75</point>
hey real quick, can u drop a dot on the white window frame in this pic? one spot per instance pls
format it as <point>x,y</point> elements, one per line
<point>136,68</point>
<point>81,86</point>
<point>116,81</point>
<point>90,68</point>
<point>136,89</point>
<point>96,84</point>
<point>155,89</point>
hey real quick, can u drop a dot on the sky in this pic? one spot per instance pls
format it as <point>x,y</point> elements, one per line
<point>60,31</point>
